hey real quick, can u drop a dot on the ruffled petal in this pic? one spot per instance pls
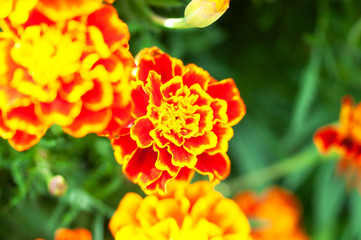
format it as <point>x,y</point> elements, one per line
<point>325,138</point>
<point>141,167</point>
<point>140,132</point>
<point>227,90</point>
<point>89,122</point>
<point>217,166</point>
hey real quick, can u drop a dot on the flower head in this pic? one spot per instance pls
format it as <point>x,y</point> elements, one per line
<point>192,212</point>
<point>74,73</point>
<point>345,139</point>
<point>277,213</point>
<point>183,120</point>
<point>201,13</point>
<point>68,234</point>
<point>17,11</point>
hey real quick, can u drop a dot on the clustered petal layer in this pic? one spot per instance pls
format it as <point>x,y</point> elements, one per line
<point>192,212</point>
<point>276,212</point>
<point>345,139</point>
<point>73,72</point>
<point>183,120</point>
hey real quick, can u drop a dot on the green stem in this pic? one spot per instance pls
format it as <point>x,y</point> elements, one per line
<point>286,166</point>
<point>172,23</point>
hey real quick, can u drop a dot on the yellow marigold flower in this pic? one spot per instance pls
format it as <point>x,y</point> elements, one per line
<point>277,212</point>
<point>345,139</point>
<point>68,234</point>
<point>73,73</point>
<point>183,122</point>
<point>192,212</point>
<point>202,13</point>
<point>17,11</point>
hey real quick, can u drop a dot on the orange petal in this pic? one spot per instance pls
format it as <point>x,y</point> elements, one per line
<point>124,147</point>
<point>141,167</point>
<point>181,157</point>
<point>115,31</point>
<point>140,132</point>
<point>101,96</point>
<point>22,141</point>
<point>325,138</point>
<point>140,99</point>
<point>73,89</point>
<point>66,9</point>
<point>153,88</point>
<point>158,186</point>
<point>227,90</point>
<point>158,138</point>
<point>170,88</point>
<point>59,112</point>
<point>194,74</point>
<point>224,134</point>
<point>164,162</point>
<point>89,122</point>
<point>197,145</point>
<point>219,107</point>
<point>23,118</point>
<point>154,59</point>
<point>217,166</point>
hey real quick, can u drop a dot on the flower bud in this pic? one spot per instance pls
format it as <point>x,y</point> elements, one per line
<point>57,186</point>
<point>202,13</point>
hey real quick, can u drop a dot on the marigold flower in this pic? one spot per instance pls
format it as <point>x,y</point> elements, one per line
<point>183,120</point>
<point>73,73</point>
<point>345,139</point>
<point>17,11</point>
<point>192,212</point>
<point>68,234</point>
<point>202,13</point>
<point>277,212</point>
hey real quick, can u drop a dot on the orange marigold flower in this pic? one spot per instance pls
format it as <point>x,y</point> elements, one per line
<point>17,11</point>
<point>73,73</point>
<point>183,120</point>
<point>191,212</point>
<point>344,138</point>
<point>68,234</point>
<point>277,213</point>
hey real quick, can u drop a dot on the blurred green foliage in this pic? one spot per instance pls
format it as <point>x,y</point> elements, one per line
<point>292,61</point>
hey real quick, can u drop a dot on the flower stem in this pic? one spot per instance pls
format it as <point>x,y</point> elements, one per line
<point>306,158</point>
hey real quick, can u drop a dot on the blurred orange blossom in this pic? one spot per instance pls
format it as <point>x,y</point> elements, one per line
<point>277,213</point>
<point>192,212</point>
<point>345,139</point>
<point>74,73</point>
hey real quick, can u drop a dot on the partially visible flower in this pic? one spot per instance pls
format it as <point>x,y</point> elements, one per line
<point>276,212</point>
<point>202,13</point>
<point>73,73</point>
<point>57,185</point>
<point>183,122</point>
<point>192,212</point>
<point>18,11</point>
<point>68,234</point>
<point>345,139</point>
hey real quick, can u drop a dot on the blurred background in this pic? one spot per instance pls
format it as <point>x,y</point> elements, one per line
<point>292,62</point>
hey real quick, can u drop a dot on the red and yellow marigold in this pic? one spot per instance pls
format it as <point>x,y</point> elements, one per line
<point>345,139</point>
<point>74,73</point>
<point>183,119</point>
<point>16,12</point>
<point>68,234</point>
<point>192,212</point>
<point>276,214</point>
